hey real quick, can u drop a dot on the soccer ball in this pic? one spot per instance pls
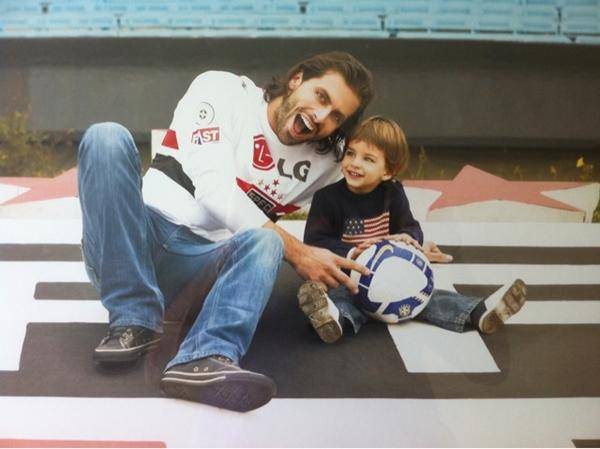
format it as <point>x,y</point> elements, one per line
<point>401,283</point>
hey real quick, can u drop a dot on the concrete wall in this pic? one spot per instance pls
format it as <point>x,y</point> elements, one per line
<point>446,92</point>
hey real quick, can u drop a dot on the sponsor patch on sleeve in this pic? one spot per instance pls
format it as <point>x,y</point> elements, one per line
<point>206,135</point>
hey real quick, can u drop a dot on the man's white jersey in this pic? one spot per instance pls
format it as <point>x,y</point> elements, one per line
<point>230,171</point>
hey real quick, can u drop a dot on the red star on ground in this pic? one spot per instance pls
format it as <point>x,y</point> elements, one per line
<point>472,185</point>
<point>40,189</point>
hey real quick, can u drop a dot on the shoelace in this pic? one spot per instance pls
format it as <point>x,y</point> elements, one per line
<point>222,358</point>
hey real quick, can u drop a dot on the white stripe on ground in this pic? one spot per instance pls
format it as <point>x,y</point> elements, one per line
<point>18,306</point>
<point>309,422</point>
<point>429,349</point>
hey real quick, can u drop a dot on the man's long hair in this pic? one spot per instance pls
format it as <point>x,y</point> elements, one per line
<point>357,77</point>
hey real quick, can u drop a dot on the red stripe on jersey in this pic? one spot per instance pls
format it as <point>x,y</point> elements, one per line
<point>170,140</point>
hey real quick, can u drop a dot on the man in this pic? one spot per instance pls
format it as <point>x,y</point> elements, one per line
<point>234,159</point>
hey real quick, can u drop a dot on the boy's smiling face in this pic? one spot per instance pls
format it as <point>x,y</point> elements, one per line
<point>364,167</point>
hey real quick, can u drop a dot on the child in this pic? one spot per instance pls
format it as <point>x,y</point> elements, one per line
<point>366,206</point>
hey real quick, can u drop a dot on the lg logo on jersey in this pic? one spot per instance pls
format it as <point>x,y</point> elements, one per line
<point>263,160</point>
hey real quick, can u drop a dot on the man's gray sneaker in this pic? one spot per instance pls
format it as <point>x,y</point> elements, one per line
<point>501,305</point>
<point>219,382</point>
<point>126,344</point>
<point>323,314</point>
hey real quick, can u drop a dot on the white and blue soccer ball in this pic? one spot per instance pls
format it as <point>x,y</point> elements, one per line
<point>400,286</point>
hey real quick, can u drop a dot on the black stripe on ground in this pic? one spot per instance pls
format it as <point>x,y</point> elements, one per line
<point>524,255</point>
<point>554,292</point>
<point>65,290</point>
<point>39,252</point>
<point>462,254</point>
<point>535,361</point>
<point>586,443</point>
<point>551,292</point>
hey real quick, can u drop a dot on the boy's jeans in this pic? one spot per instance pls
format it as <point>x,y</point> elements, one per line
<point>446,309</point>
<point>139,261</point>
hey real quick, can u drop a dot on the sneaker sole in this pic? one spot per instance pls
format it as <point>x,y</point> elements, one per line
<point>238,392</point>
<point>313,303</point>
<point>511,302</point>
<point>124,355</point>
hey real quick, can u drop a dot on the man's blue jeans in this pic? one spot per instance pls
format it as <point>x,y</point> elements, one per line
<point>139,261</point>
<point>446,309</point>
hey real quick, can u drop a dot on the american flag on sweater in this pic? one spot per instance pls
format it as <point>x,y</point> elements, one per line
<point>357,230</point>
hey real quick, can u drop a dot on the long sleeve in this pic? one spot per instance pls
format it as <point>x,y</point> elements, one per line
<point>323,228</point>
<point>207,150</point>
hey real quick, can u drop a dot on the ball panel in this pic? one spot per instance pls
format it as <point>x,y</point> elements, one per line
<point>401,283</point>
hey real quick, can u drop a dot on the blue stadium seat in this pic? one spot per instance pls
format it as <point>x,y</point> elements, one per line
<point>452,22</point>
<point>242,6</point>
<point>581,20</point>
<point>277,22</point>
<point>223,21</point>
<point>360,22</point>
<point>372,8</point>
<point>408,22</point>
<point>20,7</point>
<point>98,22</point>
<point>320,22</point>
<point>329,7</point>
<point>411,7</point>
<point>145,20</point>
<point>284,7</point>
<point>190,21</point>
<point>494,23</point>
<point>589,3</point>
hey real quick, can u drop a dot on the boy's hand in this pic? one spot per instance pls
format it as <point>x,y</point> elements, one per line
<point>405,238</point>
<point>434,254</point>
<point>359,249</point>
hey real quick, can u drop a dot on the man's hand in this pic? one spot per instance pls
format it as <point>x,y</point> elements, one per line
<point>434,254</point>
<point>321,265</point>
<point>360,248</point>
<point>317,264</point>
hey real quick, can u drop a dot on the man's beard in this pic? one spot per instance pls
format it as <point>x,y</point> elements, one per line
<point>281,117</point>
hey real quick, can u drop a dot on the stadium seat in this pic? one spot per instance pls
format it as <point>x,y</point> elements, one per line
<point>284,7</point>
<point>234,21</point>
<point>190,21</point>
<point>537,19</point>
<point>408,22</point>
<point>370,8</point>
<point>359,22</point>
<point>277,22</point>
<point>329,7</point>
<point>320,22</point>
<point>494,23</point>
<point>411,7</point>
<point>452,22</point>
<point>581,20</point>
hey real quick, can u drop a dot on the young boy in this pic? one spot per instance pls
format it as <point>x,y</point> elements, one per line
<point>366,206</point>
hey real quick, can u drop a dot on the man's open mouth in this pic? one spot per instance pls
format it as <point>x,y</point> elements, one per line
<point>303,125</point>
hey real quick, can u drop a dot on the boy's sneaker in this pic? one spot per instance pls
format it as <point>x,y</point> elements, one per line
<point>219,382</point>
<point>501,305</point>
<point>323,314</point>
<point>126,344</point>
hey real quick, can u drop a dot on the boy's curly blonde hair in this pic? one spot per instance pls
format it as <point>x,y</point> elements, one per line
<point>386,135</point>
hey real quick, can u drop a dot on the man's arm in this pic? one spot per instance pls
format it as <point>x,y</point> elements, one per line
<point>317,264</point>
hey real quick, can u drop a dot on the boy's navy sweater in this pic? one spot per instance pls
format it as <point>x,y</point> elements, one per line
<point>339,219</point>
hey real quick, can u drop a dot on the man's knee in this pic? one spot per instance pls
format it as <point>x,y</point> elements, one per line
<point>266,242</point>
<point>108,139</point>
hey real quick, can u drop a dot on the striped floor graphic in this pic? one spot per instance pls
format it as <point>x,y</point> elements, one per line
<point>439,388</point>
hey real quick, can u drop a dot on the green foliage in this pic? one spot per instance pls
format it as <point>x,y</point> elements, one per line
<point>27,153</point>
